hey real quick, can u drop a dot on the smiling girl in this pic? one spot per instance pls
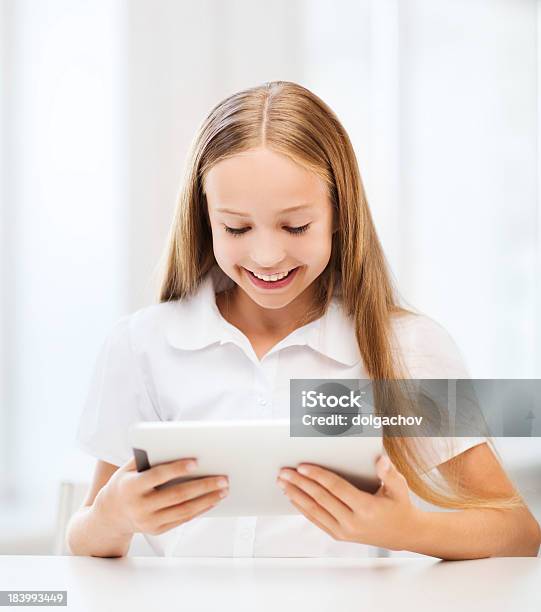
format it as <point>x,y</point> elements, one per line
<point>275,271</point>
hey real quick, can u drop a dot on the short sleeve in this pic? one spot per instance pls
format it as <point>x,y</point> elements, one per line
<point>428,349</point>
<point>429,352</point>
<point>116,399</point>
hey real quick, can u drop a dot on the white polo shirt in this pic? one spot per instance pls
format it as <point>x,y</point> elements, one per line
<point>182,360</point>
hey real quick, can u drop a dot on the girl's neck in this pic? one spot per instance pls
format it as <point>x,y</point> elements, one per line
<point>253,320</point>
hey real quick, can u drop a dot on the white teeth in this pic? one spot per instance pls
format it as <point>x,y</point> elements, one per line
<point>272,277</point>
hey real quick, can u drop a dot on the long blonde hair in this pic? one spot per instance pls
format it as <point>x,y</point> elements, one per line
<point>291,120</point>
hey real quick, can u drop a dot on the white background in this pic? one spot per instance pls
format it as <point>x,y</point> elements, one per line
<point>99,103</point>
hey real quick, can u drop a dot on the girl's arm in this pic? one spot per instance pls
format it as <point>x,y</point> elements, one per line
<point>390,520</point>
<point>475,534</point>
<point>483,532</point>
<point>91,534</point>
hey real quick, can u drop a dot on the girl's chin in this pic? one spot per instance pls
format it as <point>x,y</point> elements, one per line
<point>277,302</point>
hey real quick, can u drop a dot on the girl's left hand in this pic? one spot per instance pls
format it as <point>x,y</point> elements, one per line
<point>387,519</point>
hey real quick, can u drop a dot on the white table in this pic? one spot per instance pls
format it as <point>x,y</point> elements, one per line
<point>160,584</point>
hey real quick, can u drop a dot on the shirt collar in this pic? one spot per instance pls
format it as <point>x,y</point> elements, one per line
<point>195,323</point>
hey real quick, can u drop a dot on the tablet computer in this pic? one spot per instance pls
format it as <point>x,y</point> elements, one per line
<point>251,454</point>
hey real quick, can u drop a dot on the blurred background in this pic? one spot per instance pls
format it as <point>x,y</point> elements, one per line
<point>99,102</point>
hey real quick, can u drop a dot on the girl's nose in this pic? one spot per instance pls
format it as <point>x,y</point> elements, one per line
<point>267,251</point>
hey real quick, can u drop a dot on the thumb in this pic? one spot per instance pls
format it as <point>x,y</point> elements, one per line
<point>393,483</point>
<point>129,465</point>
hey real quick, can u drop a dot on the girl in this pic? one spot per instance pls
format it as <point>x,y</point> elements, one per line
<point>274,271</point>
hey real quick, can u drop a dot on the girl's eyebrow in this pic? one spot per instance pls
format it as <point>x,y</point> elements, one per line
<point>285,210</point>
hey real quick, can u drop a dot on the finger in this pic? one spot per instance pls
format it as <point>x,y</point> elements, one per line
<point>169,526</point>
<point>187,509</point>
<point>128,466</point>
<point>338,486</point>
<point>177,494</point>
<point>309,505</point>
<point>393,483</point>
<point>332,504</point>
<point>312,518</point>
<point>160,474</point>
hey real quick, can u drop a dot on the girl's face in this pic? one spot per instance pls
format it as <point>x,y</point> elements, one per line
<point>270,216</point>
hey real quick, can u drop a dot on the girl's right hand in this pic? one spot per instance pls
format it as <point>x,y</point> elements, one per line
<point>131,504</point>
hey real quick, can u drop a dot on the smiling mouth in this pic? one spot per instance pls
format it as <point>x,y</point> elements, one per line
<point>272,278</point>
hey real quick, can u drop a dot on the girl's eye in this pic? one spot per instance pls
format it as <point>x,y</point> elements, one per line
<point>298,230</point>
<point>235,231</point>
<point>239,231</point>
